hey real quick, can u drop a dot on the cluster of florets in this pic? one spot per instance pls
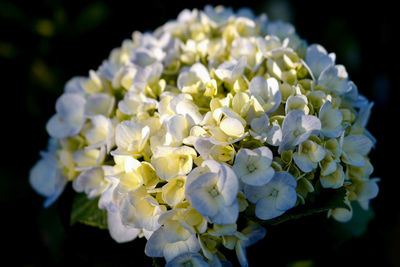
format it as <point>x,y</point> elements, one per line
<point>214,117</point>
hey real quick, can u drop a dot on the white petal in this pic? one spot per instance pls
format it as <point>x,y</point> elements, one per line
<point>254,233</point>
<point>91,182</point>
<point>194,258</point>
<point>310,123</point>
<point>259,124</point>
<point>107,199</point>
<point>258,86</point>
<point>297,102</point>
<point>226,214</point>
<point>231,70</point>
<point>285,178</point>
<point>241,254</point>
<point>335,79</point>
<point>101,133</point>
<point>232,127</point>
<point>203,146</point>
<point>265,208</point>
<point>341,214</point>
<point>57,128</point>
<point>267,92</point>
<point>99,104</point>
<point>304,162</point>
<point>259,177</point>
<point>118,231</point>
<point>129,136</point>
<point>357,143</point>
<point>201,199</point>
<point>255,193</point>
<point>274,92</point>
<point>318,59</point>
<point>178,127</point>
<point>146,75</point>
<point>354,159</point>
<point>74,85</point>
<point>190,110</point>
<point>228,184</point>
<point>367,191</point>
<point>201,72</point>
<point>291,121</point>
<point>170,251</point>
<point>85,158</point>
<point>274,68</point>
<point>155,245</point>
<point>46,180</point>
<point>287,198</point>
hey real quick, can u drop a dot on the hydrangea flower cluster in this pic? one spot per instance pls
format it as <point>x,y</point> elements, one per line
<point>195,134</point>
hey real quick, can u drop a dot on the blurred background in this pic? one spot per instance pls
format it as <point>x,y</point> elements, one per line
<point>44,43</point>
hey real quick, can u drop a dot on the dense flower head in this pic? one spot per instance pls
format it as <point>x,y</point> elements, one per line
<point>194,135</point>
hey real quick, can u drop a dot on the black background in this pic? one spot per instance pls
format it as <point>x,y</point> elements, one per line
<point>44,43</point>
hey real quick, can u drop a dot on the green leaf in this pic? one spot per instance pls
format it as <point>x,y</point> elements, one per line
<point>320,201</point>
<point>86,211</point>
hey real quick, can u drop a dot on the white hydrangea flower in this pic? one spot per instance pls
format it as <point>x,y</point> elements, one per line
<point>263,130</point>
<point>296,128</point>
<point>253,167</point>
<point>173,238</point>
<point>266,92</point>
<point>193,79</point>
<point>145,76</point>
<point>274,198</point>
<point>297,102</point>
<point>213,193</point>
<point>335,79</point>
<point>130,138</point>
<point>231,71</point>
<point>342,214</point>
<point>87,158</point>
<point>134,104</point>
<point>331,120</point>
<point>173,192</point>
<point>188,259</point>
<point>355,147</point>
<point>334,179</point>
<point>171,162</point>
<point>47,179</point>
<point>92,182</point>
<point>99,104</point>
<point>183,131</point>
<point>318,59</point>
<point>247,47</point>
<point>138,209</point>
<point>101,133</point>
<point>69,119</point>
<point>110,202</point>
<point>308,155</point>
<point>367,190</point>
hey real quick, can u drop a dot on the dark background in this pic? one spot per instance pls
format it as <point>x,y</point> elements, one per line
<point>44,43</point>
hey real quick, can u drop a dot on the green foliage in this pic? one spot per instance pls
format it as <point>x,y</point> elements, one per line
<point>86,211</point>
